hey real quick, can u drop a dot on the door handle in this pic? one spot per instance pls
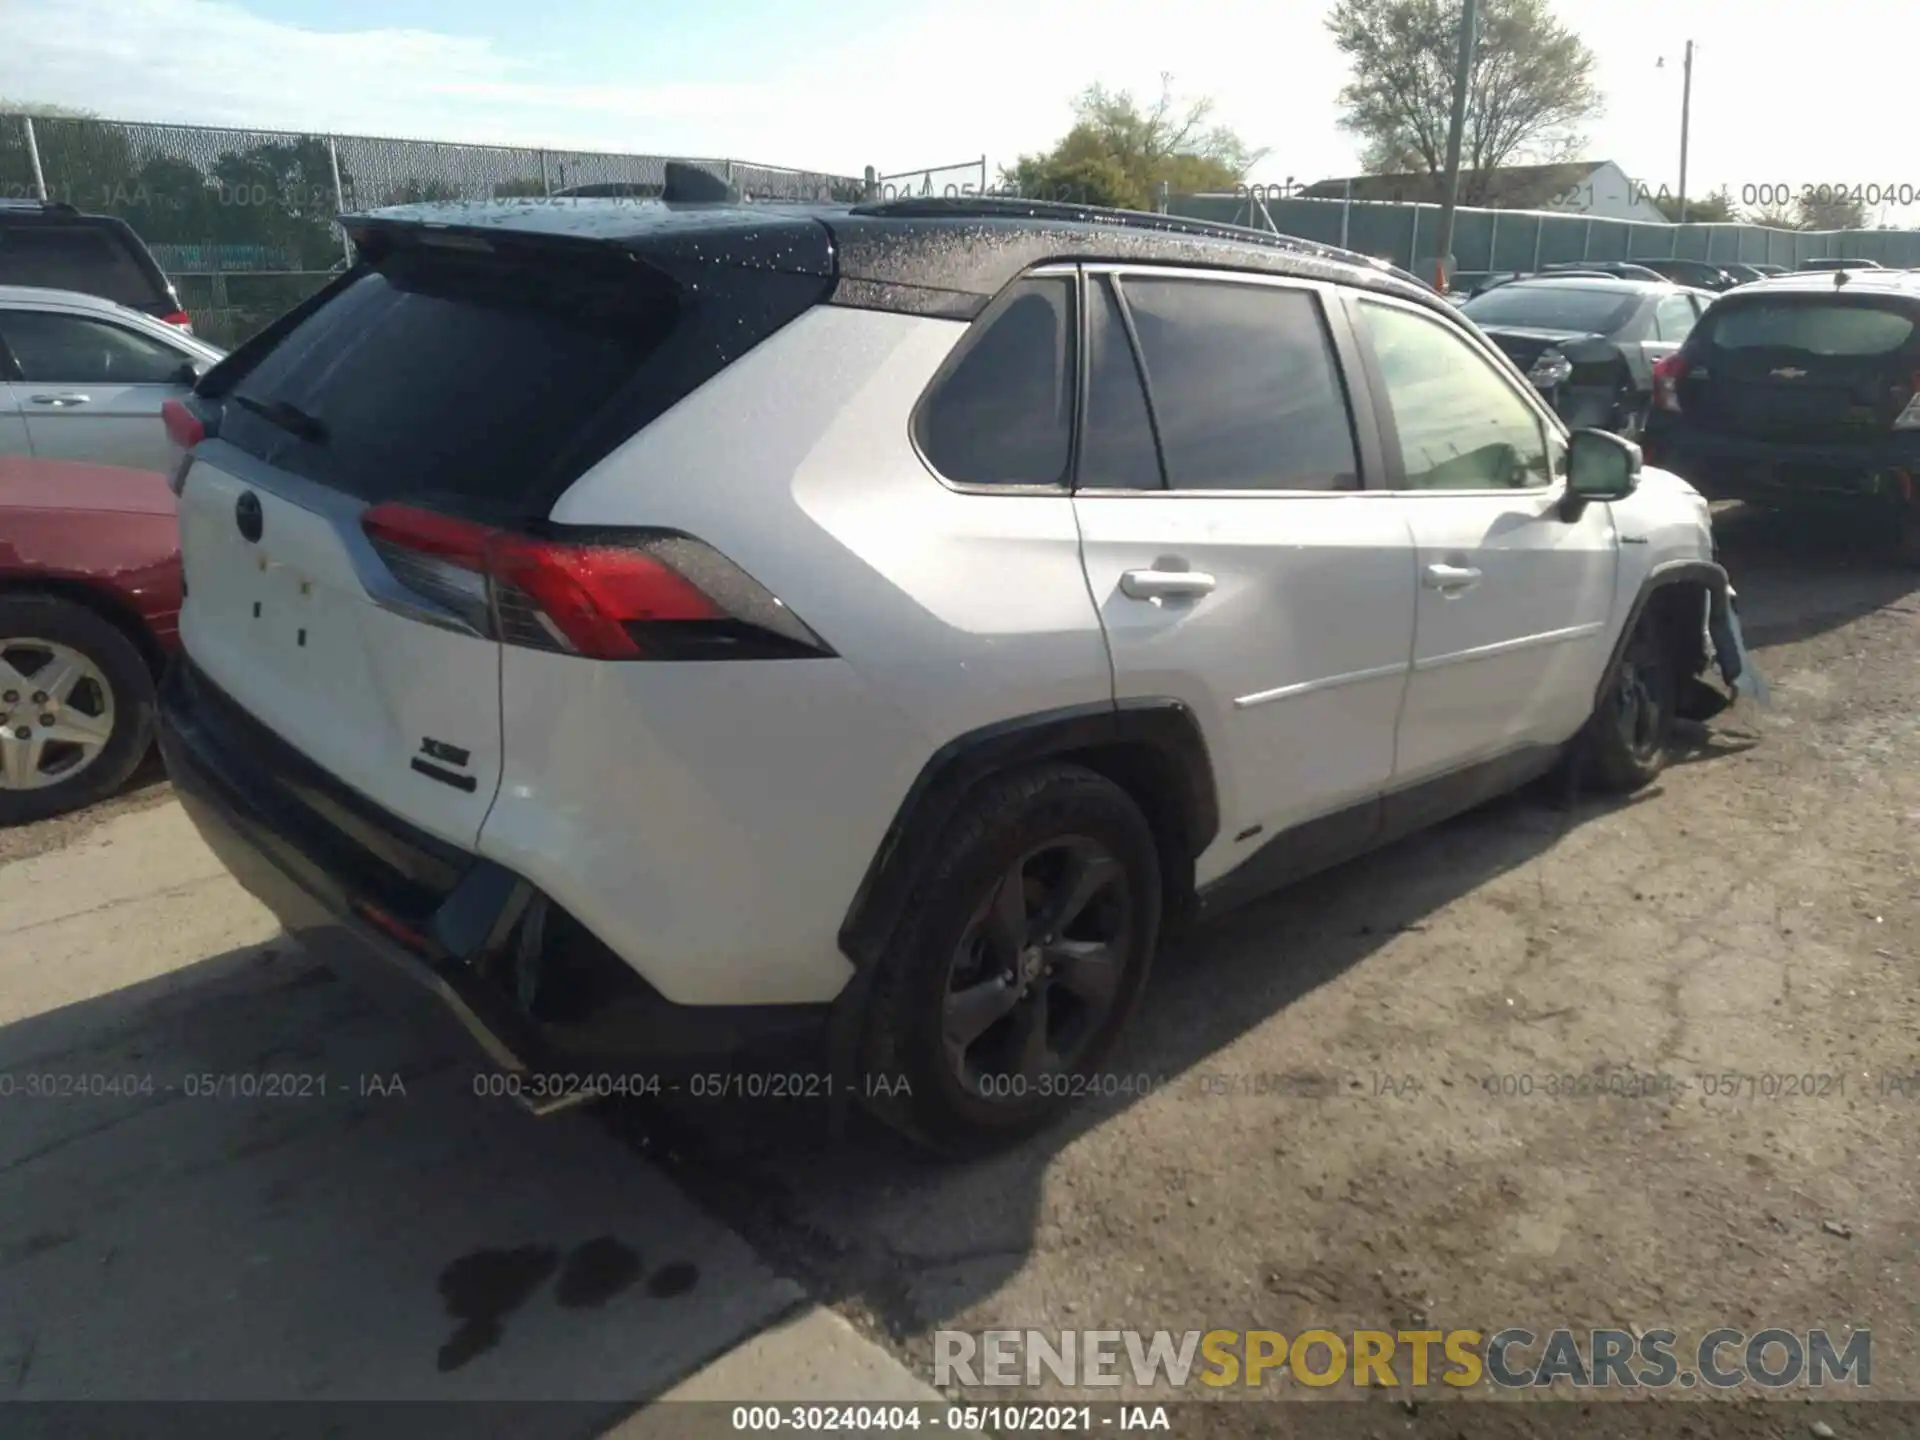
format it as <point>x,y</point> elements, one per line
<point>1452,577</point>
<point>1164,584</point>
<point>60,400</point>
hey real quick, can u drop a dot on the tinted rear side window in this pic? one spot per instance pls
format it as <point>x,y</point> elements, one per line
<point>1003,415</point>
<point>1244,386</point>
<point>472,382</point>
<point>1553,307</point>
<point>1812,327</point>
<point>1117,450</point>
<point>93,259</point>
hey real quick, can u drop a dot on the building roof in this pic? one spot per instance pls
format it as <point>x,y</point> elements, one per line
<point>1512,187</point>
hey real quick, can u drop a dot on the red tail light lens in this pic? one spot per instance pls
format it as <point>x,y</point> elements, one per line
<point>180,318</point>
<point>625,597</point>
<point>184,431</point>
<point>1667,375</point>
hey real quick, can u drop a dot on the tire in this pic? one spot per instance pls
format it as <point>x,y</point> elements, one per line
<point>1630,736</point>
<point>1007,861</point>
<point>113,696</point>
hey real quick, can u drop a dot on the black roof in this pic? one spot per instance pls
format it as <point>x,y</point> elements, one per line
<point>924,256</point>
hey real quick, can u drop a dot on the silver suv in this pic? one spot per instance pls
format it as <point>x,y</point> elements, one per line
<point>655,627</point>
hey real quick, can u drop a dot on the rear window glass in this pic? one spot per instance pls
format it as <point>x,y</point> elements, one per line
<point>1552,307</point>
<point>463,380</point>
<point>1816,329</point>
<point>93,259</point>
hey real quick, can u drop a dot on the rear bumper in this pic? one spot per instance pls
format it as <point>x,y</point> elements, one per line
<point>444,942</point>
<point>1863,475</point>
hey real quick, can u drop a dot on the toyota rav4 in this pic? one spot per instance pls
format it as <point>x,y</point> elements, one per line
<point>662,628</point>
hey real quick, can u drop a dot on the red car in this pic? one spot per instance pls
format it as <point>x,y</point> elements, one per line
<point>89,612</point>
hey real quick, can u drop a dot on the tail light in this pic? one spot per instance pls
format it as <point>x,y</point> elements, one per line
<point>185,429</point>
<point>1909,418</point>
<point>180,318</point>
<point>631,595</point>
<point>1667,375</point>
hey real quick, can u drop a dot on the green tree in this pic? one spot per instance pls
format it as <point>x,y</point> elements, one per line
<point>81,158</point>
<point>1118,153</point>
<point>1840,211</point>
<point>1530,89</point>
<point>279,195</point>
<point>1714,208</point>
<point>1773,217</point>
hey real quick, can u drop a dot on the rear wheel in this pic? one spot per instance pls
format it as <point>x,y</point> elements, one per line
<point>76,707</point>
<point>1017,964</point>
<point>1630,737</point>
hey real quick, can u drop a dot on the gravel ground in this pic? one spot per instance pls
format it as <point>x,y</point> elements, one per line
<point>1748,921</point>
<point>1692,954</point>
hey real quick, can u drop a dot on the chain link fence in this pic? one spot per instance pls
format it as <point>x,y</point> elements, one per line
<point>1527,239</point>
<point>969,177</point>
<point>243,220</point>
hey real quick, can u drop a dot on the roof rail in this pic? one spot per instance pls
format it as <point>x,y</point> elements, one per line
<point>52,207</point>
<point>997,207</point>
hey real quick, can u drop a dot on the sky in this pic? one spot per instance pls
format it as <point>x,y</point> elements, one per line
<point>837,85</point>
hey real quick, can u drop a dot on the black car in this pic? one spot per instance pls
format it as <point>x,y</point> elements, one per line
<point>1743,273</point>
<point>1589,342</point>
<point>1801,390</point>
<point>54,246</point>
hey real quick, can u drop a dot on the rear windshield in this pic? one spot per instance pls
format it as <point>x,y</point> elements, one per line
<point>93,259</point>
<point>453,378</point>
<point>1813,328</point>
<point>1552,307</point>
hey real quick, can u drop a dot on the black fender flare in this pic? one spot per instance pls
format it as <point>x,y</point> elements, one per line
<point>1166,728</point>
<point>1705,573</point>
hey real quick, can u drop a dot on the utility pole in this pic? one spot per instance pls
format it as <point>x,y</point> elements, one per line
<point>1686,108</point>
<point>1463,76</point>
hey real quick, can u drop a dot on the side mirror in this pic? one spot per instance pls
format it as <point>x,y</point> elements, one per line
<point>1600,466</point>
<point>188,374</point>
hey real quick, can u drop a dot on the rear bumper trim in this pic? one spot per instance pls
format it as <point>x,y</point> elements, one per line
<point>463,940</point>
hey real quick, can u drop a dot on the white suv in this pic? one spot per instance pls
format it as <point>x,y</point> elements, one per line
<point>663,628</point>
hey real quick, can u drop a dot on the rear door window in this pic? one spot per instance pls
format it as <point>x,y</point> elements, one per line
<point>471,382</point>
<point>93,259</point>
<point>1117,449</point>
<point>1815,328</point>
<point>1245,388</point>
<point>56,349</point>
<point>1003,414</point>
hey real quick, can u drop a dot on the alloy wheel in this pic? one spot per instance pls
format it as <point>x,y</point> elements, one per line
<point>56,713</point>
<point>1038,970</point>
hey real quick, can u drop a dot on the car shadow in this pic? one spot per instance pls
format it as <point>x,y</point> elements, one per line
<point>1801,574</point>
<point>825,1209</point>
<point>241,1181</point>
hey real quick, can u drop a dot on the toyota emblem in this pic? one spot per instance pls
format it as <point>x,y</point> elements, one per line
<point>246,514</point>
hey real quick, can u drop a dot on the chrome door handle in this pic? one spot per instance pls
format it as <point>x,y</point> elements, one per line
<point>1452,577</point>
<point>1164,584</point>
<point>60,400</point>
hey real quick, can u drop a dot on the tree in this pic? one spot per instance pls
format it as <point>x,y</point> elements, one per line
<point>1530,88</point>
<point>1117,154</point>
<point>1714,208</point>
<point>1832,210</point>
<point>1773,217</point>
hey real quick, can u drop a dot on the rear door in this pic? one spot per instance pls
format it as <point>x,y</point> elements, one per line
<point>1514,600</point>
<point>467,383</point>
<point>1250,577</point>
<point>90,388</point>
<point>1811,366</point>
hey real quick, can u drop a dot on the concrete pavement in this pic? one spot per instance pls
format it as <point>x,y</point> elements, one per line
<point>224,1175</point>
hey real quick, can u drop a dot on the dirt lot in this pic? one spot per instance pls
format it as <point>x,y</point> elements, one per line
<point>1752,917</point>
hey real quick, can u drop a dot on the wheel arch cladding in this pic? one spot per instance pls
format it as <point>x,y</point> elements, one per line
<point>1674,594</point>
<point>1152,748</point>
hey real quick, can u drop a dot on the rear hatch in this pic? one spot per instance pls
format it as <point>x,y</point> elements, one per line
<point>59,249</point>
<point>1808,366</point>
<point>365,452</point>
